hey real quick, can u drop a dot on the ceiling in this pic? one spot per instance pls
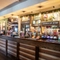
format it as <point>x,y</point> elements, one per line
<point>4,3</point>
<point>47,5</point>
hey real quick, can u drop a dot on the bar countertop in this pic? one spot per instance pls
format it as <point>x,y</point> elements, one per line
<point>37,40</point>
<point>41,40</point>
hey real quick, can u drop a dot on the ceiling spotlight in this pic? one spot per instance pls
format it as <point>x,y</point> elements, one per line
<point>12,14</point>
<point>31,11</point>
<point>18,15</point>
<point>39,6</point>
<point>4,16</point>
<point>53,6</point>
<point>23,11</point>
<point>18,0</point>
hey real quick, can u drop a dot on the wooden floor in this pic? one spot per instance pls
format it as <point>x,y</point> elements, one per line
<point>3,57</point>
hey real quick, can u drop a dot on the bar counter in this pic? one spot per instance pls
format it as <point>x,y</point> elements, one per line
<point>39,40</point>
<point>30,49</point>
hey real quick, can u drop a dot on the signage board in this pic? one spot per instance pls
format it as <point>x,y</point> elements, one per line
<point>50,23</point>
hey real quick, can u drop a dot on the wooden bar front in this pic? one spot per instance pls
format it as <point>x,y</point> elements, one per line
<point>29,49</point>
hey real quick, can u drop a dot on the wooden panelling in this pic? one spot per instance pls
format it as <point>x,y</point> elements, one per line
<point>49,54</point>
<point>3,45</point>
<point>12,53</point>
<point>26,55</point>
<point>2,48</point>
<point>23,58</point>
<point>27,46</point>
<point>27,52</point>
<point>26,49</point>
<point>12,48</point>
<point>2,42</point>
<point>41,59</point>
<point>48,57</point>
<point>12,42</point>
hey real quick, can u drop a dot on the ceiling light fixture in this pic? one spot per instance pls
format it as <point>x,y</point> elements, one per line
<point>31,11</point>
<point>23,11</point>
<point>4,16</point>
<point>53,6</point>
<point>18,15</point>
<point>39,6</point>
<point>12,14</point>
